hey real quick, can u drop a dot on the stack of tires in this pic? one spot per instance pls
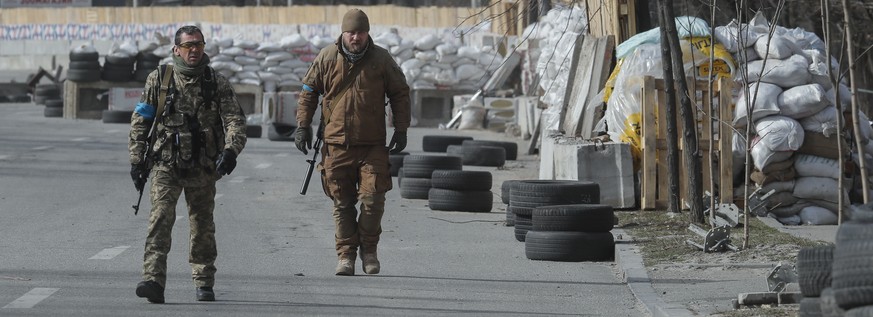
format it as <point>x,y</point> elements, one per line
<point>50,96</point>
<point>814,268</point>
<point>439,143</point>
<point>528,194</point>
<point>510,147</point>
<point>118,67</point>
<point>852,273</point>
<point>395,163</point>
<point>478,155</point>
<point>84,64</point>
<point>505,193</point>
<point>146,63</point>
<point>455,190</point>
<point>579,232</point>
<point>417,172</point>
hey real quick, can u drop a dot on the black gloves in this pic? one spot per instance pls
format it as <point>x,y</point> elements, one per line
<point>303,139</point>
<point>226,163</point>
<point>398,142</point>
<point>139,175</point>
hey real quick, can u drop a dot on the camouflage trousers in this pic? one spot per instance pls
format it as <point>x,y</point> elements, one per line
<point>165,191</point>
<point>350,175</point>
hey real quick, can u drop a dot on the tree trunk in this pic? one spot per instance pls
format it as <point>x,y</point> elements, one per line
<point>670,114</point>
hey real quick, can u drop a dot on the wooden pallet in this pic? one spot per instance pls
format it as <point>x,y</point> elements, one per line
<point>654,190</point>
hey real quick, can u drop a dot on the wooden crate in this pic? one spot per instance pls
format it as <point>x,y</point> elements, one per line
<point>612,17</point>
<point>81,102</point>
<point>654,189</point>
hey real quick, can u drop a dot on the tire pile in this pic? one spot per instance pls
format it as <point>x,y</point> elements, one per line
<point>838,280</point>
<point>455,190</point>
<point>84,64</point>
<point>417,172</point>
<point>49,95</point>
<point>561,220</point>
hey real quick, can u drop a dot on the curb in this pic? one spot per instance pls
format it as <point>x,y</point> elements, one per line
<point>634,274</point>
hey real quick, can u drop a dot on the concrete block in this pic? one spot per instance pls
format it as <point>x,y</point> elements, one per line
<point>611,166</point>
<point>12,48</point>
<point>759,298</point>
<point>547,154</point>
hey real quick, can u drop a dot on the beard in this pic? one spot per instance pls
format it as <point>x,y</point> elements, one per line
<point>356,48</point>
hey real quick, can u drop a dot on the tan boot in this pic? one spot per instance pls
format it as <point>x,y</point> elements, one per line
<point>346,264</point>
<point>370,262</point>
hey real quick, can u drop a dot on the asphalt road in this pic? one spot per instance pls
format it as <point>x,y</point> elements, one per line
<point>70,244</point>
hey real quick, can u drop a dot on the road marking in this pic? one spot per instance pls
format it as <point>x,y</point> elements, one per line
<point>32,298</point>
<point>217,196</point>
<point>109,253</point>
<point>283,154</point>
<point>42,148</point>
<point>82,139</point>
<point>3,157</point>
<point>263,165</point>
<point>238,179</point>
<point>112,131</point>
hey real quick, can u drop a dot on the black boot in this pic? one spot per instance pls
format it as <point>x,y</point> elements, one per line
<point>151,290</point>
<point>205,294</point>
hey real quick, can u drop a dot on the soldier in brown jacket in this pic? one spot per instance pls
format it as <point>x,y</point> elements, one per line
<point>353,78</point>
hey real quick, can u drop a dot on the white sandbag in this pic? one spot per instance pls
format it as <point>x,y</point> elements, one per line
<point>786,186</point>
<point>251,68</point>
<point>246,60</point>
<point>268,76</point>
<point>250,81</point>
<point>818,68</point>
<point>289,76</point>
<point>765,102</point>
<point>427,43</point>
<point>412,64</point>
<point>472,118</point>
<point>802,101</point>
<point>448,59</point>
<point>223,42</point>
<point>821,188</point>
<point>246,44</point>
<point>464,61</point>
<point>845,96</point>
<point>866,129</point>
<point>426,56</point>
<point>786,73</point>
<point>278,57</point>
<point>293,40</point>
<point>293,63</point>
<point>267,64</point>
<point>280,70</point>
<point>816,166</point>
<point>738,149</point>
<point>392,39</point>
<point>269,47</point>
<point>780,199</point>
<point>290,83</point>
<point>233,80</point>
<point>730,37</point>
<point>320,42</point>
<point>128,48</point>
<point>220,58</point>
<point>443,67</point>
<point>490,61</point>
<point>446,78</point>
<point>747,55</point>
<point>232,51</point>
<point>396,50</point>
<point>230,66</point>
<point>405,55</point>
<point>815,215</point>
<point>446,49</point>
<point>225,72</point>
<point>824,121</point>
<point>779,133</point>
<point>790,221</point>
<point>778,47</point>
<point>763,156</point>
<point>788,210</point>
<point>163,51</point>
<point>247,75</point>
<point>468,71</point>
<point>469,52</point>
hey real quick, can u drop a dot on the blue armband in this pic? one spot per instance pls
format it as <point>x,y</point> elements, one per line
<point>307,88</point>
<point>147,111</point>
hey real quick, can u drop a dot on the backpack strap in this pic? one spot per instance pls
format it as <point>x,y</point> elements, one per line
<point>167,75</point>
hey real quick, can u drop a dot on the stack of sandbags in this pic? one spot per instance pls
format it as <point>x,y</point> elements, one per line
<point>794,113</point>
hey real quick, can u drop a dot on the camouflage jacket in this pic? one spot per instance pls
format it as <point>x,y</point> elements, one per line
<point>190,133</point>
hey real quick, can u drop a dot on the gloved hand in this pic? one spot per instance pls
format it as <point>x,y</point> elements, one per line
<point>303,139</point>
<point>138,175</point>
<point>398,142</point>
<point>226,162</point>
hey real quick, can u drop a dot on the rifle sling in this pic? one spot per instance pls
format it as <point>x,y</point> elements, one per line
<point>165,86</point>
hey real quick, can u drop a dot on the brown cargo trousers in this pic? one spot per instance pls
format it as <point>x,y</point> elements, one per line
<point>351,174</point>
<point>200,198</point>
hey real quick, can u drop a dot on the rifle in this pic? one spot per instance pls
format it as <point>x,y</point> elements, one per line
<point>315,148</point>
<point>164,101</point>
<point>141,176</point>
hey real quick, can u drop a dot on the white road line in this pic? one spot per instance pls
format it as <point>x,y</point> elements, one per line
<point>263,165</point>
<point>41,148</point>
<point>109,253</point>
<point>217,196</point>
<point>3,157</point>
<point>238,179</point>
<point>112,131</point>
<point>283,154</point>
<point>32,298</point>
<point>82,139</point>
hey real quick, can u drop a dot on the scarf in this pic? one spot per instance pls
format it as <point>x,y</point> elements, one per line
<point>193,71</point>
<point>355,57</point>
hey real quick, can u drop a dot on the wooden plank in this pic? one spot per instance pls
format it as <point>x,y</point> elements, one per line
<point>578,81</point>
<point>648,176</point>
<point>726,178</point>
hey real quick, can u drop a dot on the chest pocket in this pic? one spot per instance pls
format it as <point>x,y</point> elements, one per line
<point>370,88</point>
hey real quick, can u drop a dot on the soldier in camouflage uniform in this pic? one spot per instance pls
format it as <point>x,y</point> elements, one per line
<point>353,78</point>
<point>196,140</point>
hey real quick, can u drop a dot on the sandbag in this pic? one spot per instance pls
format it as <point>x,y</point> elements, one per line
<point>763,156</point>
<point>815,215</point>
<point>764,99</point>
<point>778,133</point>
<point>824,121</point>
<point>789,210</point>
<point>787,73</point>
<point>821,188</point>
<point>815,166</point>
<point>775,47</point>
<point>802,101</point>
<point>790,221</point>
<point>781,176</point>
<point>786,186</point>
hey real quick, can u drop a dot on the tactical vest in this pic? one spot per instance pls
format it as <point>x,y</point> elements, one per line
<point>188,138</point>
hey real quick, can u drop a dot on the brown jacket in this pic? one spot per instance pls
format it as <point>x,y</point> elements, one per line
<point>358,117</point>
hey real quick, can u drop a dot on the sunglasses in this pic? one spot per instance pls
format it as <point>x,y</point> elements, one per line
<point>189,45</point>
